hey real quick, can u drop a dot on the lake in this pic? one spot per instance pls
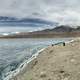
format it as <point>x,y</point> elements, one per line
<point>13,52</point>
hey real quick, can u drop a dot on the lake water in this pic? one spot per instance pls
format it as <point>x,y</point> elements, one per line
<point>15,51</point>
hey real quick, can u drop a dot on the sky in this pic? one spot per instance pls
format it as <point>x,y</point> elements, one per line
<point>61,11</point>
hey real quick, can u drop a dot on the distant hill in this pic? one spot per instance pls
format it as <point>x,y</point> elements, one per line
<point>63,29</point>
<point>78,28</point>
<point>59,31</point>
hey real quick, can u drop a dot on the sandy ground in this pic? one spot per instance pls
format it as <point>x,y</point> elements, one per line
<point>55,63</point>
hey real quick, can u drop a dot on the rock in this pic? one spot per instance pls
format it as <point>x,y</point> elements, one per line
<point>43,74</point>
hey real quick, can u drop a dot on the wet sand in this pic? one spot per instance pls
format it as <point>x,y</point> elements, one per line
<point>56,62</point>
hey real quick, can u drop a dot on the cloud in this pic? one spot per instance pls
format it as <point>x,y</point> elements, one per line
<point>18,29</point>
<point>62,11</point>
<point>22,29</point>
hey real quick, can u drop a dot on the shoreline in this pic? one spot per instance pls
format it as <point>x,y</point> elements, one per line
<point>24,65</point>
<point>57,62</point>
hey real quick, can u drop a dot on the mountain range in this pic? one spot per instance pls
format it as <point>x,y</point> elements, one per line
<point>58,31</point>
<point>62,28</point>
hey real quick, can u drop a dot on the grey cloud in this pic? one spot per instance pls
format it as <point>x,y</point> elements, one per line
<point>62,11</point>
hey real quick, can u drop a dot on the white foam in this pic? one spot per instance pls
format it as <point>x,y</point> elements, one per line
<point>24,64</point>
<point>69,41</point>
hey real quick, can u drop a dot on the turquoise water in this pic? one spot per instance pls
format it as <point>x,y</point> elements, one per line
<point>15,51</point>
